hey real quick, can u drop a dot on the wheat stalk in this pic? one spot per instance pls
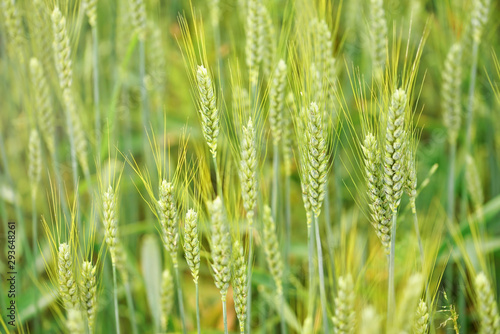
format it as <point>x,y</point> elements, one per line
<point>240,284</point>
<point>487,308</point>
<point>88,295</point>
<point>68,289</point>
<point>345,315</point>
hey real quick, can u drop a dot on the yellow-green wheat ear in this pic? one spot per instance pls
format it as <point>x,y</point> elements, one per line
<point>370,321</point>
<point>110,222</point>
<point>138,11</point>
<point>410,184</point>
<point>166,296</point>
<point>168,219</point>
<point>395,140</point>
<point>474,183</point>
<point>74,322</point>
<point>378,25</point>
<point>14,28</point>
<point>267,40</point>
<point>220,247</point>
<point>421,318</point>
<point>276,101</point>
<point>88,289</point>
<point>209,112</point>
<point>345,315</point>
<point>35,160</point>
<point>43,104</point>
<point>68,289</point>
<point>380,220</point>
<point>192,243</point>
<point>248,169</point>
<point>487,309</point>
<point>240,285</point>
<point>254,35</point>
<point>480,12</point>
<point>271,248</point>
<point>90,7</point>
<point>451,93</point>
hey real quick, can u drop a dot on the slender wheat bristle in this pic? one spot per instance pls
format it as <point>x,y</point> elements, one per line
<point>192,243</point>
<point>276,101</point>
<point>138,11</point>
<point>451,93</point>
<point>248,169</point>
<point>267,48</point>
<point>90,7</point>
<point>317,159</point>
<point>167,211</point>
<point>394,177</point>
<point>370,321</point>
<point>345,315</point>
<point>35,160</point>
<point>66,277</point>
<point>381,221</point>
<point>74,322</point>
<point>254,32</point>
<point>110,222</point>
<point>209,112</point>
<point>271,247</point>
<point>421,318</point>
<point>14,28</point>
<point>88,290</point>
<point>379,33</point>
<point>479,14</point>
<point>44,110</point>
<point>240,284</point>
<point>166,296</point>
<point>474,183</point>
<point>489,320</point>
<point>221,248</point>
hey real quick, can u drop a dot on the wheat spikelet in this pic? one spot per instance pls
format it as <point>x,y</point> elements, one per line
<point>240,284</point>
<point>35,160</point>
<point>451,94</point>
<point>66,277</point>
<point>276,101</point>
<point>345,316</point>
<point>42,36</point>
<point>317,159</point>
<point>248,170</point>
<point>167,211</point>
<point>271,247</point>
<point>474,183</point>
<point>88,289</point>
<point>381,221</point>
<point>411,178</point>
<point>479,17</point>
<point>74,322</point>
<point>166,296</point>
<point>379,33</point>
<point>221,247</point>
<point>14,27</point>
<point>44,111</point>
<point>421,318</point>
<point>138,11</point>
<point>489,319</point>
<point>90,7</point>
<point>254,32</point>
<point>209,112</point>
<point>110,222</point>
<point>192,243</point>
<point>267,40</point>
<point>370,321</point>
<point>394,177</point>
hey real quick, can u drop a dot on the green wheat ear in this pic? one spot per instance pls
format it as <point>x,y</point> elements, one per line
<point>90,7</point>
<point>166,296</point>
<point>489,319</point>
<point>276,101</point>
<point>271,247</point>
<point>221,247</point>
<point>345,315</point>
<point>248,170</point>
<point>110,223</point>
<point>209,112</point>
<point>35,160</point>
<point>192,243</point>
<point>451,92</point>
<point>240,284</point>
<point>421,318</point>
<point>168,219</point>
<point>88,288</point>
<point>68,289</point>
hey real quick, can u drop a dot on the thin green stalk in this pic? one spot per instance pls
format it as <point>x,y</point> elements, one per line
<point>311,271</point>
<point>249,280</point>
<point>451,182</point>
<point>417,231</point>
<point>131,308</point>
<point>329,231</point>
<point>391,295</point>
<point>35,239</point>
<point>288,219</point>
<point>218,179</point>
<point>180,299</point>
<point>321,273</point>
<point>144,99</point>
<point>224,313</point>
<point>198,308</point>
<point>115,296</point>
<point>276,175</point>
<point>95,55</point>
<point>282,313</point>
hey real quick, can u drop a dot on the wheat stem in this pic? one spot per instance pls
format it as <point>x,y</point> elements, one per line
<point>179,297</point>
<point>198,327</point>
<point>391,296</point>
<point>276,175</point>
<point>130,305</point>
<point>115,298</point>
<point>249,278</point>
<point>451,181</point>
<point>95,55</point>
<point>321,273</point>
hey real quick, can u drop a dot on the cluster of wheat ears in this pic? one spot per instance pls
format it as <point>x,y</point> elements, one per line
<point>342,129</point>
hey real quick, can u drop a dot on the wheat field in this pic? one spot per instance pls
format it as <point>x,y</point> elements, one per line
<point>249,166</point>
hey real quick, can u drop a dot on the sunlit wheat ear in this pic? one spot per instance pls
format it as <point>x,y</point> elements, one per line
<point>90,7</point>
<point>220,247</point>
<point>13,27</point>
<point>276,101</point>
<point>110,222</point>
<point>474,183</point>
<point>267,40</point>
<point>35,160</point>
<point>167,211</point>
<point>381,221</point>
<point>410,184</point>
<point>88,290</point>
<point>66,277</point>
<point>271,247</point>
<point>395,139</point>
<point>166,296</point>
<point>74,322</point>
<point>43,104</point>
<point>209,112</point>
<point>254,32</point>
<point>192,243</point>
<point>138,11</point>
<point>451,93</point>
<point>248,169</point>
<point>317,158</point>
<point>479,14</point>
<point>240,284</point>
<point>421,318</point>
<point>487,308</point>
<point>378,25</point>
<point>345,316</point>
<point>370,321</point>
